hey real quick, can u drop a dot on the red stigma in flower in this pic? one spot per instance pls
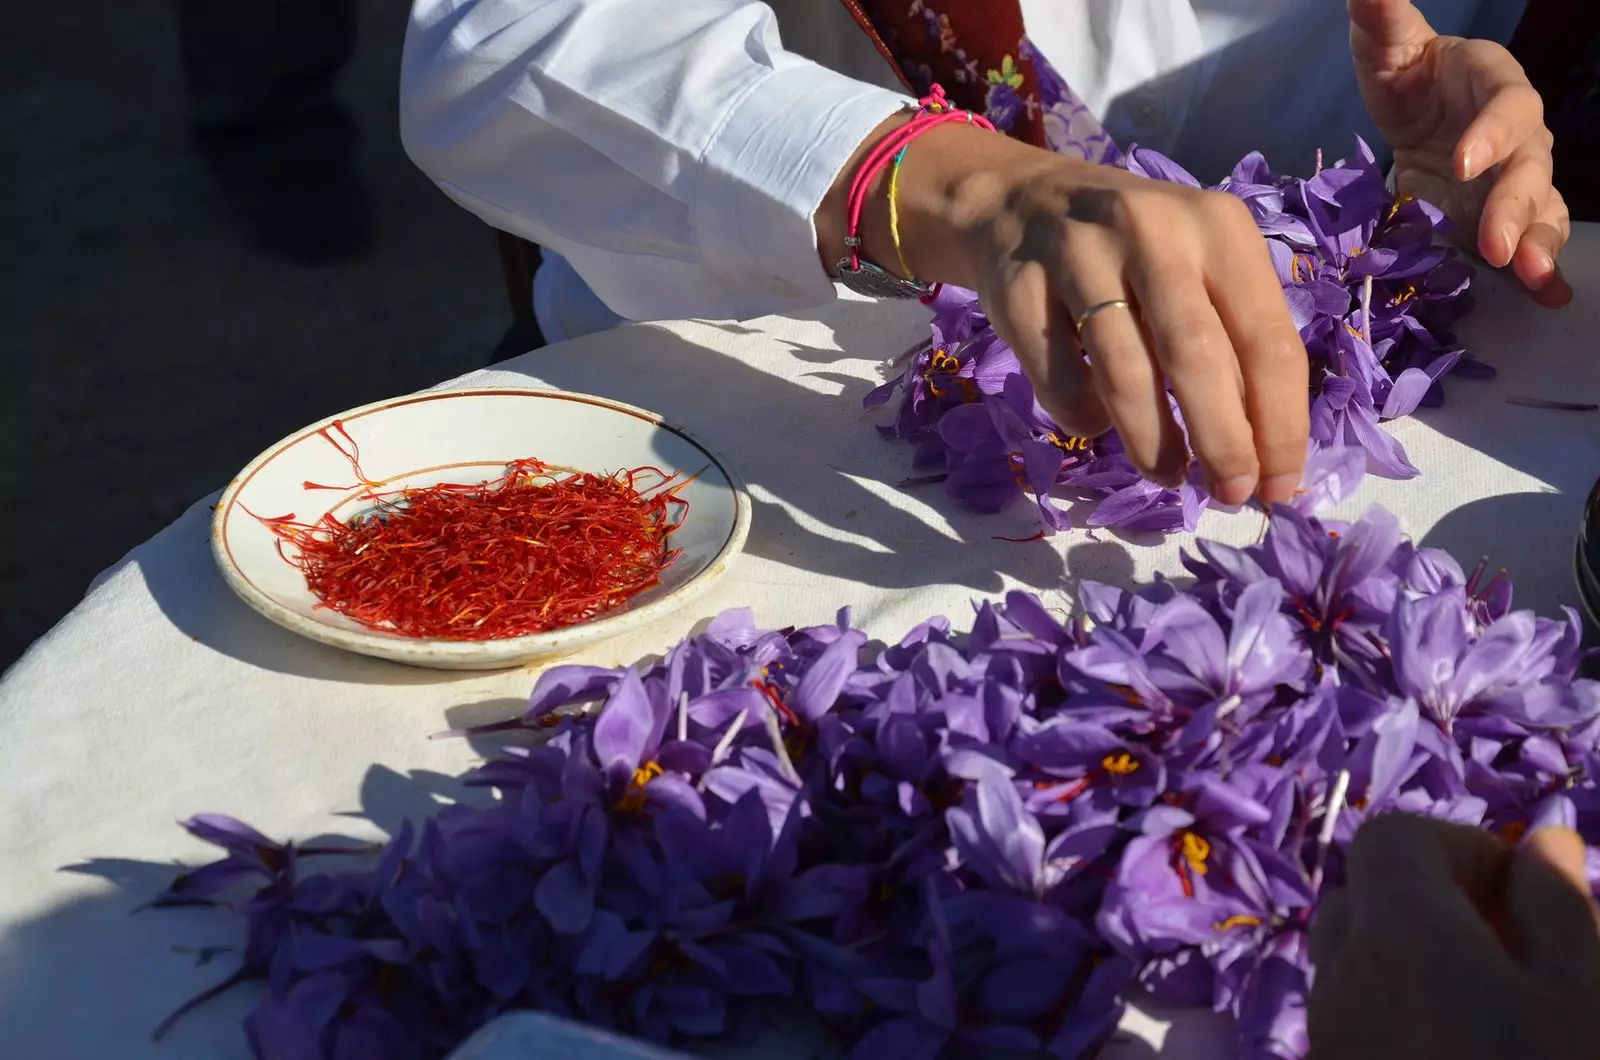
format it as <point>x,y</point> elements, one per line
<point>777,702</point>
<point>1189,853</point>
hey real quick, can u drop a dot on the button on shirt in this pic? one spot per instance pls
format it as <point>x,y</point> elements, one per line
<point>670,157</point>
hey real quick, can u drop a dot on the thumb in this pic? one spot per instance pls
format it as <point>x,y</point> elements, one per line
<point>1552,910</point>
<point>1387,33</point>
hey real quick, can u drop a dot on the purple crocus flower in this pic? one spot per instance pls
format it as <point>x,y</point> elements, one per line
<point>1225,674</point>
<point>250,854</point>
<point>1438,662</point>
<point>1331,474</point>
<point>961,842</point>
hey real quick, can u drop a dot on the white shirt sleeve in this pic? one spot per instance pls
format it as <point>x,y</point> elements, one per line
<point>673,152</point>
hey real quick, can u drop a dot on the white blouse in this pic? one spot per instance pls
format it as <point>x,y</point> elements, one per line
<point>674,152</point>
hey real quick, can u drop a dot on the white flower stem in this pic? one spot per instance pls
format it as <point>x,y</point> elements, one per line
<point>1330,821</point>
<point>1366,310</point>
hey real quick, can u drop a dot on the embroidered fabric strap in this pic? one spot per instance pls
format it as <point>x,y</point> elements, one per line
<point>977,50</point>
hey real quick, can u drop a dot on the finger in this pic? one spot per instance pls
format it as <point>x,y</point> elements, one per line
<point>1129,384</point>
<point>1509,110</point>
<point>1537,260</point>
<point>1069,385</point>
<point>1330,929</point>
<point>1388,32</point>
<point>1552,911</point>
<point>1415,878</point>
<point>1271,357</point>
<point>1564,851</point>
<point>1089,273</point>
<point>1028,318</point>
<point>1198,360</point>
<point>1518,197</point>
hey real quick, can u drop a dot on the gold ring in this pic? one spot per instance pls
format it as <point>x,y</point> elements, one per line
<point>1083,317</point>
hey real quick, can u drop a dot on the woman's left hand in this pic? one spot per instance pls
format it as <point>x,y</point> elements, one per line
<point>1468,135</point>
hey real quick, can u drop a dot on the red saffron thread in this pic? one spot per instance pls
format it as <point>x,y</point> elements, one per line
<point>527,553</point>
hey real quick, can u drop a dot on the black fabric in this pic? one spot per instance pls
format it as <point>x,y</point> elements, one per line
<point>260,75</point>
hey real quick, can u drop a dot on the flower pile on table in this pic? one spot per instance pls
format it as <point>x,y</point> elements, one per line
<point>955,842</point>
<point>1372,292</point>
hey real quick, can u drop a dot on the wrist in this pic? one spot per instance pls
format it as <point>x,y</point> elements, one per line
<point>833,218</point>
<point>957,184</point>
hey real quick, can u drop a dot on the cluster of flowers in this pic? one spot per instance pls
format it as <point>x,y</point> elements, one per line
<point>958,842</point>
<point>1374,298</point>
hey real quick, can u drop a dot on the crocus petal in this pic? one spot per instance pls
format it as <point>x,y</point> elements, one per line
<point>565,897</point>
<point>227,832</point>
<point>906,1038</point>
<point>1383,451</point>
<point>970,429</point>
<point>1157,166</point>
<point>987,484</point>
<point>824,679</point>
<point>563,685</point>
<point>1331,475</point>
<point>628,727</point>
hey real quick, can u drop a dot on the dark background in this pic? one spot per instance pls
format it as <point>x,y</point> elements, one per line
<point>147,349</point>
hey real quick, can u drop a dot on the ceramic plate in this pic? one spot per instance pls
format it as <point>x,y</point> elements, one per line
<point>468,436</point>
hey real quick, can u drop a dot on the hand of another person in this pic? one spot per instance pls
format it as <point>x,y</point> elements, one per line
<point>1044,239</point>
<point>1447,942</point>
<point>1468,135</point>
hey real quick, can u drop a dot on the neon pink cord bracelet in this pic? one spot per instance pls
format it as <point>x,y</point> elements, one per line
<point>932,110</point>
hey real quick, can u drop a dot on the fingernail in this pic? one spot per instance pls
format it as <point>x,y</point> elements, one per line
<point>1276,489</point>
<point>1509,236</point>
<point>1469,168</point>
<point>1235,491</point>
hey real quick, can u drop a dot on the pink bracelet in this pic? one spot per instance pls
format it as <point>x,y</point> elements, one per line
<point>863,276</point>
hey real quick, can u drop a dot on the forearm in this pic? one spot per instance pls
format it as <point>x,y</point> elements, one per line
<point>679,169</point>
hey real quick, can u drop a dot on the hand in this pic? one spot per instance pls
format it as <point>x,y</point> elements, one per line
<point>1043,238</point>
<point>1468,135</point>
<point>1447,942</point>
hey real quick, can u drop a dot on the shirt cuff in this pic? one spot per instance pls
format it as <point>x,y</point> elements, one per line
<point>766,172</point>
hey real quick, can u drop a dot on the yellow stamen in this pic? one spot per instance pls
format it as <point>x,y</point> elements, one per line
<point>940,364</point>
<point>1238,921</point>
<point>1195,851</point>
<point>1018,469</point>
<point>1401,201</point>
<point>633,799</point>
<point>1405,294</point>
<point>1067,445</point>
<point>1121,763</point>
<point>1126,694</point>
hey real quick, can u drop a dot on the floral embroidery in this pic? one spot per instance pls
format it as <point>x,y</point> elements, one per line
<point>978,52</point>
<point>1008,74</point>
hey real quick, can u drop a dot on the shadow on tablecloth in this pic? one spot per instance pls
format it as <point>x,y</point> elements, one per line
<point>822,480</point>
<point>92,978</point>
<point>177,570</point>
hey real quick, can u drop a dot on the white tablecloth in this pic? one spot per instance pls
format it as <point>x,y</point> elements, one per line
<point>161,695</point>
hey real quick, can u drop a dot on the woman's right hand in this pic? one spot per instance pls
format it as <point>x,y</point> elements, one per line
<point>1043,238</point>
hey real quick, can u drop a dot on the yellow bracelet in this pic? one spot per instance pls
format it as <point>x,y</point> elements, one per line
<point>894,213</point>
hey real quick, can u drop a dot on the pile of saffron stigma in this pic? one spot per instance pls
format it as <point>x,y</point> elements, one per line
<point>961,842</point>
<point>1372,291</point>
<point>536,550</point>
